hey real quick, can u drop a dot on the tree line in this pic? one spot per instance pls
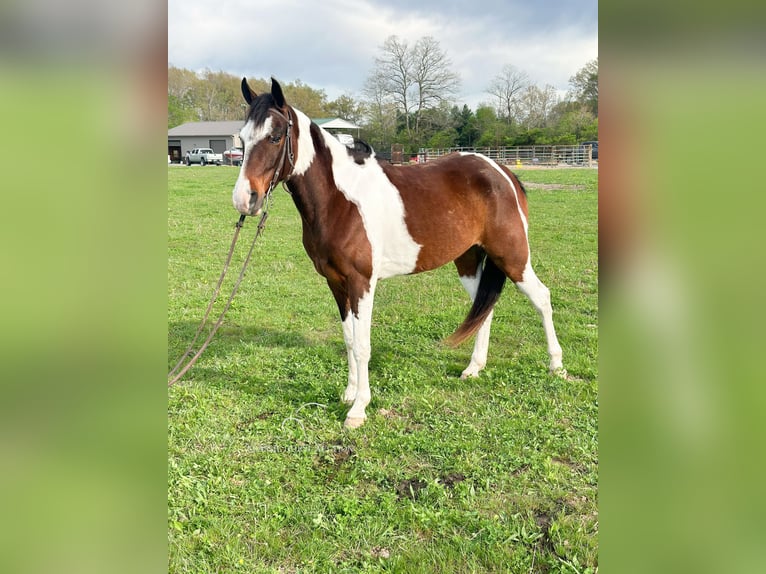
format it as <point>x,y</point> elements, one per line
<point>410,98</point>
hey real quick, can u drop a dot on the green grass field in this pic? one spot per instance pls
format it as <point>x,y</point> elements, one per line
<point>495,474</point>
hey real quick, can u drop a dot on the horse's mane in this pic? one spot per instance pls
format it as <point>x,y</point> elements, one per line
<point>259,111</point>
<point>361,151</point>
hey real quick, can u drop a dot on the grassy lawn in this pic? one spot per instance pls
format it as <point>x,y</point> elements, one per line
<point>496,474</point>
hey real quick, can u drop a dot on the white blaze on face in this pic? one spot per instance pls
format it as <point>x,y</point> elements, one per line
<point>250,136</point>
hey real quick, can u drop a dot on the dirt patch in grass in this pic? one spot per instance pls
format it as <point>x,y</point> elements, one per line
<point>410,488</point>
<point>451,479</point>
<point>552,186</point>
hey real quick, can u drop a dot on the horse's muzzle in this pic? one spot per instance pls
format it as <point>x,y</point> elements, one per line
<point>245,200</point>
<point>256,202</point>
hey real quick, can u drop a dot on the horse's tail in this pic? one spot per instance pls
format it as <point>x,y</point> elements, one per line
<point>490,286</point>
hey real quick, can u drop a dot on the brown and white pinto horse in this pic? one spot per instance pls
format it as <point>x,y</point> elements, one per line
<point>365,220</point>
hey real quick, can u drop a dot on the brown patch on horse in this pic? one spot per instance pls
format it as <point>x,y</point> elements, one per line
<point>446,223</point>
<point>340,253</point>
<point>455,204</point>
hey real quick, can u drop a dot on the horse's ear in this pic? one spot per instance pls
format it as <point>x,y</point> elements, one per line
<point>276,92</point>
<point>247,92</point>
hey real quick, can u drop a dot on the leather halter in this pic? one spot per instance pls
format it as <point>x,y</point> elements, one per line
<point>287,150</point>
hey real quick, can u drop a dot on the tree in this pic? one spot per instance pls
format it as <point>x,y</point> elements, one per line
<point>434,81</point>
<point>310,101</point>
<point>465,125</point>
<point>507,88</point>
<point>182,88</point>
<point>393,71</point>
<point>219,96</point>
<point>177,113</point>
<point>536,106</point>
<point>585,86</point>
<point>347,108</point>
<point>576,124</point>
<point>415,79</point>
<point>381,111</point>
<point>492,130</point>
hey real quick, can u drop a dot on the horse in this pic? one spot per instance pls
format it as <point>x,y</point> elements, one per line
<point>365,220</point>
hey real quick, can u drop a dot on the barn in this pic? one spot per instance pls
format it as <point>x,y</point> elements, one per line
<point>219,136</point>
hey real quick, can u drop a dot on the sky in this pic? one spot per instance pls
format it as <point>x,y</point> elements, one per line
<point>332,44</point>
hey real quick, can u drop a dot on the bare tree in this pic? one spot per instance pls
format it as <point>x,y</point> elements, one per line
<point>434,81</point>
<point>381,109</point>
<point>507,88</point>
<point>536,105</point>
<point>393,71</point>
<point>414,78</point>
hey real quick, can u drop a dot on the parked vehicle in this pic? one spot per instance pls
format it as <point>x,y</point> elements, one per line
<point>233,156</point>
<point>345,139</point>
<point>202,156</point>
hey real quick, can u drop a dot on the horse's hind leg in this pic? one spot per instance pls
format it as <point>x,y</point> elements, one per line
<point>540,297</point>
<point>469,266</point>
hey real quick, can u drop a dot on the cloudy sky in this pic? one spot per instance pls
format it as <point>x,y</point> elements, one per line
<point>332,44</point>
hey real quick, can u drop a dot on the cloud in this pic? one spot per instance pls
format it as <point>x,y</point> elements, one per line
<point>332,45</point>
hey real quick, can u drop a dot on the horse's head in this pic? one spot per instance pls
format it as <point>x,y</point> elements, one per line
<point>268,147</point>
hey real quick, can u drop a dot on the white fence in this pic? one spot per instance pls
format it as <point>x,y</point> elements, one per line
<point>542,155</point>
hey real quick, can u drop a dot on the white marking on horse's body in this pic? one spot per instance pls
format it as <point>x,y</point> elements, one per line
<point>348,338</point>
<point>305,153</point>
<point>394,251</point>
<point>361,351</point>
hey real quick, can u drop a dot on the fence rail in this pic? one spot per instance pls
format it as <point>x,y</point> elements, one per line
<point>549,155</point>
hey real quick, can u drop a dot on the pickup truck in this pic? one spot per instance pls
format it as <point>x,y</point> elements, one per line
<point>202,156</point>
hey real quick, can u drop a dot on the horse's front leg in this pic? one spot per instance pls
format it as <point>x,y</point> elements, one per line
<point>344,307</point>
<point>361,321</point>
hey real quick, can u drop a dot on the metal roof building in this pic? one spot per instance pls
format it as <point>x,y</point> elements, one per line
<point>219,136</point>
<point>224,135</point>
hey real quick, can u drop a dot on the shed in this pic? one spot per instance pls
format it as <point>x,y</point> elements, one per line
<point>337,124</point>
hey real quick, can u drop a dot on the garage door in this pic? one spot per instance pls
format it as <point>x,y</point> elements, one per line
<point>219,146</point>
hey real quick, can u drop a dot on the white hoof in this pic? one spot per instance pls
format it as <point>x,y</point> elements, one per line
<point>560,372</point>
<point>353,422</point>
<point>471,371</point>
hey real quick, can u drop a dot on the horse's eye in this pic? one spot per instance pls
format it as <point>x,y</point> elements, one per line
<point>276,139</point>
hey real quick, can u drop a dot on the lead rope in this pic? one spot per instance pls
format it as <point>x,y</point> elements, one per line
<point>287,149</point>
<point>259,231</point>
<point>213,298</point>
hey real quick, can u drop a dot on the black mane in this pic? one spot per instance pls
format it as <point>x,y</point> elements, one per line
<point>259,111</point>
<point>361,151</point>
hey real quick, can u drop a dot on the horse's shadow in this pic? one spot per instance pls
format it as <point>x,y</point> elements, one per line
<point>220,362</point>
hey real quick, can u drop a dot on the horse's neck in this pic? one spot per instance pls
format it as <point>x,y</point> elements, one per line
<point>312,195</point>
<point>314,189</point>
